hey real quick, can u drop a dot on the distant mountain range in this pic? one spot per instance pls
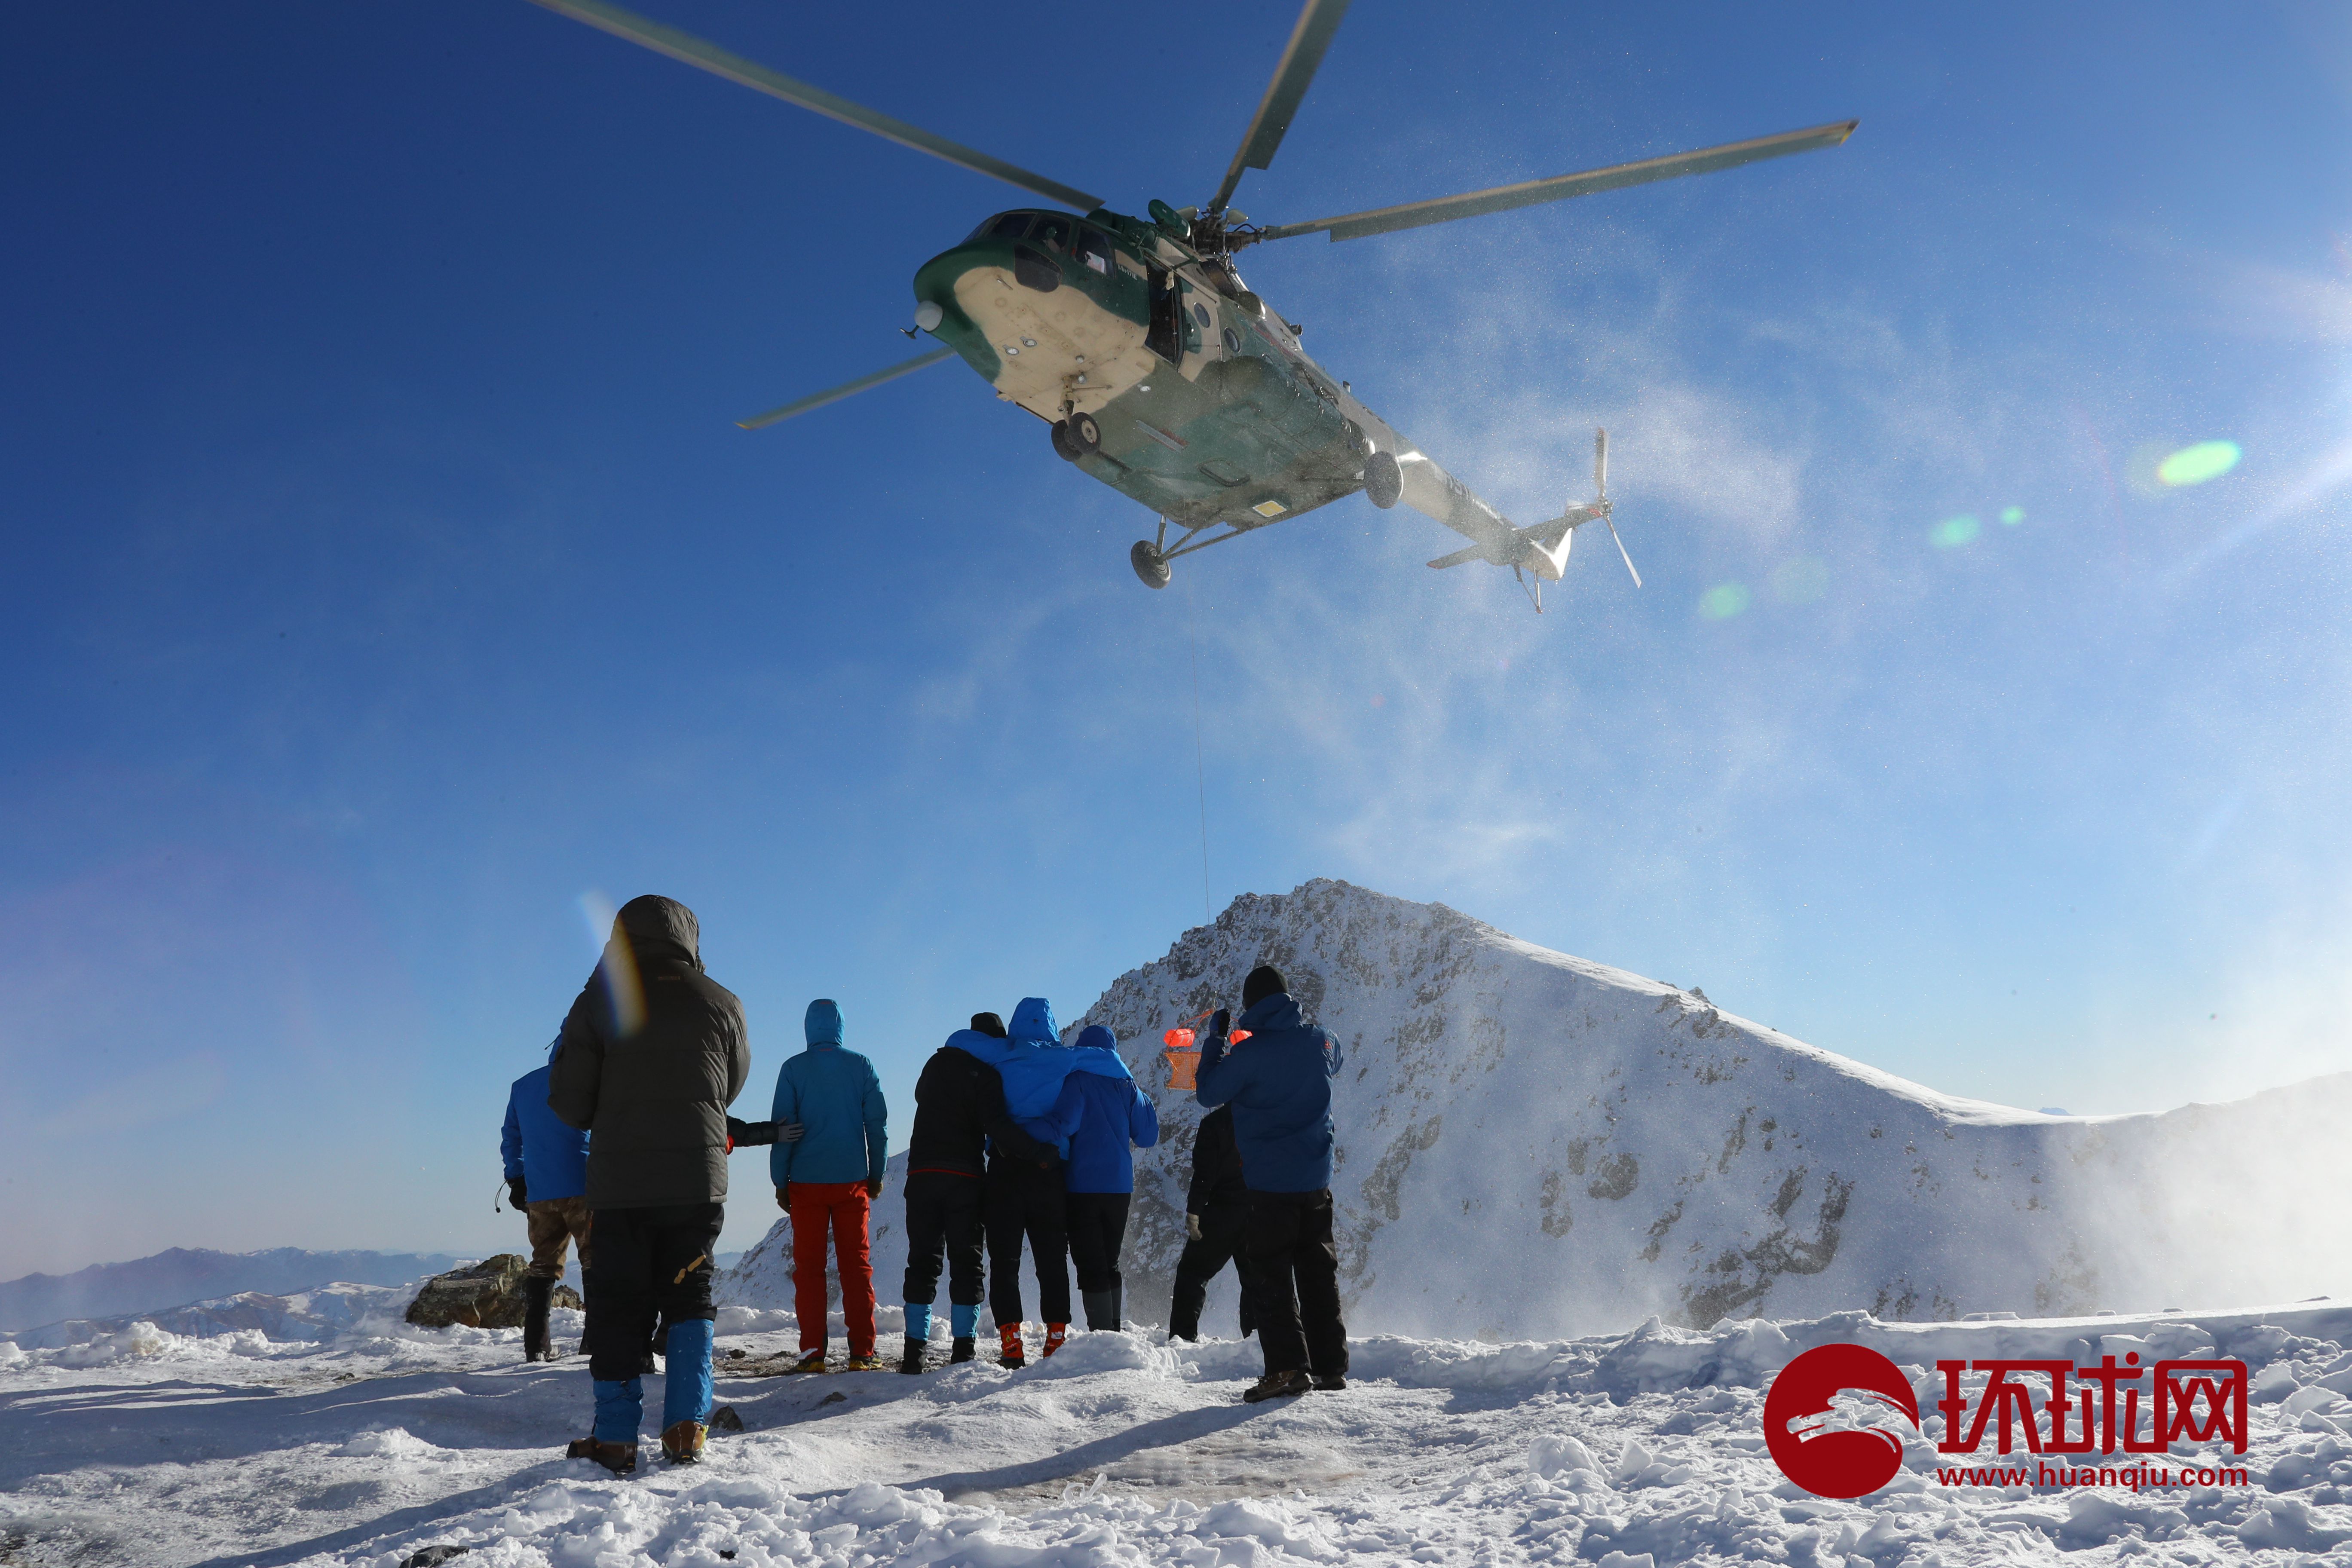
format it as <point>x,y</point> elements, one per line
<point>182,1275</point>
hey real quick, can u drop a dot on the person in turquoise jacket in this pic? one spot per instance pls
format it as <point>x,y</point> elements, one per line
<point>828,1179</point>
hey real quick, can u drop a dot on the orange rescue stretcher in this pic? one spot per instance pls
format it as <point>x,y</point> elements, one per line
<point>1181,1046</point>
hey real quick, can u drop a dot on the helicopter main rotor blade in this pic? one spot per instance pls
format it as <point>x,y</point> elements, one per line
<point>706,55</point>
<point>846,389</point>
<point>1316,23</point>
<point>1501,198</point>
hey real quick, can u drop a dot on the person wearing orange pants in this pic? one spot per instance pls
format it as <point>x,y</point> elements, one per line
<point>828,1180</point>
<point>841,1208</point>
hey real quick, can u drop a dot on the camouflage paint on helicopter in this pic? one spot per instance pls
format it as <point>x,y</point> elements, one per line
<point>1187,394</point>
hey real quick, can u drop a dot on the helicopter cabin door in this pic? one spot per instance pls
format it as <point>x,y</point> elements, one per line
<point>1165,336</point>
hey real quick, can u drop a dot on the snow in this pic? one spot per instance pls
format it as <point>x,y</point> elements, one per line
<point>384,1440</point>
<point>1585,1218</point>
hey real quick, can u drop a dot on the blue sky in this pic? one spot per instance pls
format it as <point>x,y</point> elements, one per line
<point>388,583</point>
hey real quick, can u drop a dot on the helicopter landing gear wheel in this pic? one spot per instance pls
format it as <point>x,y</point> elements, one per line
<point>1383,483</point>
<point>1149,565</point>
<point>1077,437</point>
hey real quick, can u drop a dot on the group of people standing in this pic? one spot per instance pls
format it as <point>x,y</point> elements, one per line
<point>619,1145</point>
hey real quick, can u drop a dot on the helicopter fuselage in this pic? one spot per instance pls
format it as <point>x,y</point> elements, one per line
<point>1208,410</point>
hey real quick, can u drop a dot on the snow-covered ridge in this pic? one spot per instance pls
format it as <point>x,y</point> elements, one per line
<point>1531,1144</point>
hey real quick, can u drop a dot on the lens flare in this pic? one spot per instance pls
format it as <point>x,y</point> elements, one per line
<point>1800,582</point>
<point>2195,465</point>
<point>1955,531</point>
<point>2011,516</point>
<point>1723,601</point>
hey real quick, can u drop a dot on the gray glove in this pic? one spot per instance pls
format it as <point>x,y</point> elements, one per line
<point>1193,1227</point>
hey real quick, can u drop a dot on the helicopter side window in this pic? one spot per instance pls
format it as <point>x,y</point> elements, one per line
<point>1011,226</point>
<point>1055,232</point>
<point>1093,250</point>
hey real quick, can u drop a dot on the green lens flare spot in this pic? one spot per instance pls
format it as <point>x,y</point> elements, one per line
<point>1955,531</point>
<point>2195,465</point>
<point>1723,601</point>
<point>2011,516</point>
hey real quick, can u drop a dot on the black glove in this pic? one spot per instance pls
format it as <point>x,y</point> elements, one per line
<point>516,1195</point>
<point>746,1134</point>
<point>1222,1024</point>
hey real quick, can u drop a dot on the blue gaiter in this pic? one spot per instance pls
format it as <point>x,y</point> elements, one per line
<point>620,1406</point>
<point>962,1321</point>
<point>685,1392</point>
<point>918,1320</point>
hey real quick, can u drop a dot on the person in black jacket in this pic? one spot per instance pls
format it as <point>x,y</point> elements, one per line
<point>652,1053</point>
<point>959,1113</point>
<point>1216,1218</point>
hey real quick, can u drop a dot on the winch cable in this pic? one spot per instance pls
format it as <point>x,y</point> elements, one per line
<point>1200,761</point>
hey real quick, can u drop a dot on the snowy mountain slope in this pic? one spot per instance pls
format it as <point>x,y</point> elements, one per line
<point>194,1274</point>
<point>1533,1145</point>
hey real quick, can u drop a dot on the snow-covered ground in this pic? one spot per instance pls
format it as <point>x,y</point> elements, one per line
<point>378,1443</point>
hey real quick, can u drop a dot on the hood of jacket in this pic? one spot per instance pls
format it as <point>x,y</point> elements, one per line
<point>1034,1021</point>
<point>1275,1011</point>
<point>822,1024</point>
<point>659,931</point>
<point>1096,1051</point>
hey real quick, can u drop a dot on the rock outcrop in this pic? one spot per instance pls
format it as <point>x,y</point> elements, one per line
<point>488,1295</point>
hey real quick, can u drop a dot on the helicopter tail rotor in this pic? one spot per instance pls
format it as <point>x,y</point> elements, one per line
<point>1600,498</point>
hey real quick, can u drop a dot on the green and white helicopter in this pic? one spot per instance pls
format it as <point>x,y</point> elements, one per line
<point>1158,370</point>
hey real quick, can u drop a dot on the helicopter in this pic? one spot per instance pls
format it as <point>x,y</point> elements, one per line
<point>1156,368</point>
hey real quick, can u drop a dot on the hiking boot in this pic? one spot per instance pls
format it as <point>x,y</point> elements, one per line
<point>1276,1386</point>
<point>1102,1309</point>
<point>535,1294</point>
<point>911,1361</point>
<point>682,1444</point>
<point>962,1351</point>
<point>812,1362</point>
<point>724,1419</point>
<point>869,1361</point>
<point>621,1458</point>
<point>1008,1347</point>
<point>1055,1335</point>
<point>1330,1384</point>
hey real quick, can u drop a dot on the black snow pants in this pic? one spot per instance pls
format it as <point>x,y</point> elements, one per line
<point>1291,1270</point>
<point>1098,1223</point>
<point>1023,1200</point>
<point>943,1221</point>
<point>651,1263</point>
<point>1221,1234</point>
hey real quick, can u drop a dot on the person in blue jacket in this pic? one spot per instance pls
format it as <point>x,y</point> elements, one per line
<point>1110,1114</point>
<point>1023,1197</point>
<point>828,1179</point>
<point>1279,1082</point>
<point>547,1176</point>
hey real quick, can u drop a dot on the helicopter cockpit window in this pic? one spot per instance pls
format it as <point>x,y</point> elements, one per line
<point>1093,250</point>
<point>1011,225</point>
<point>1054,231</point>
